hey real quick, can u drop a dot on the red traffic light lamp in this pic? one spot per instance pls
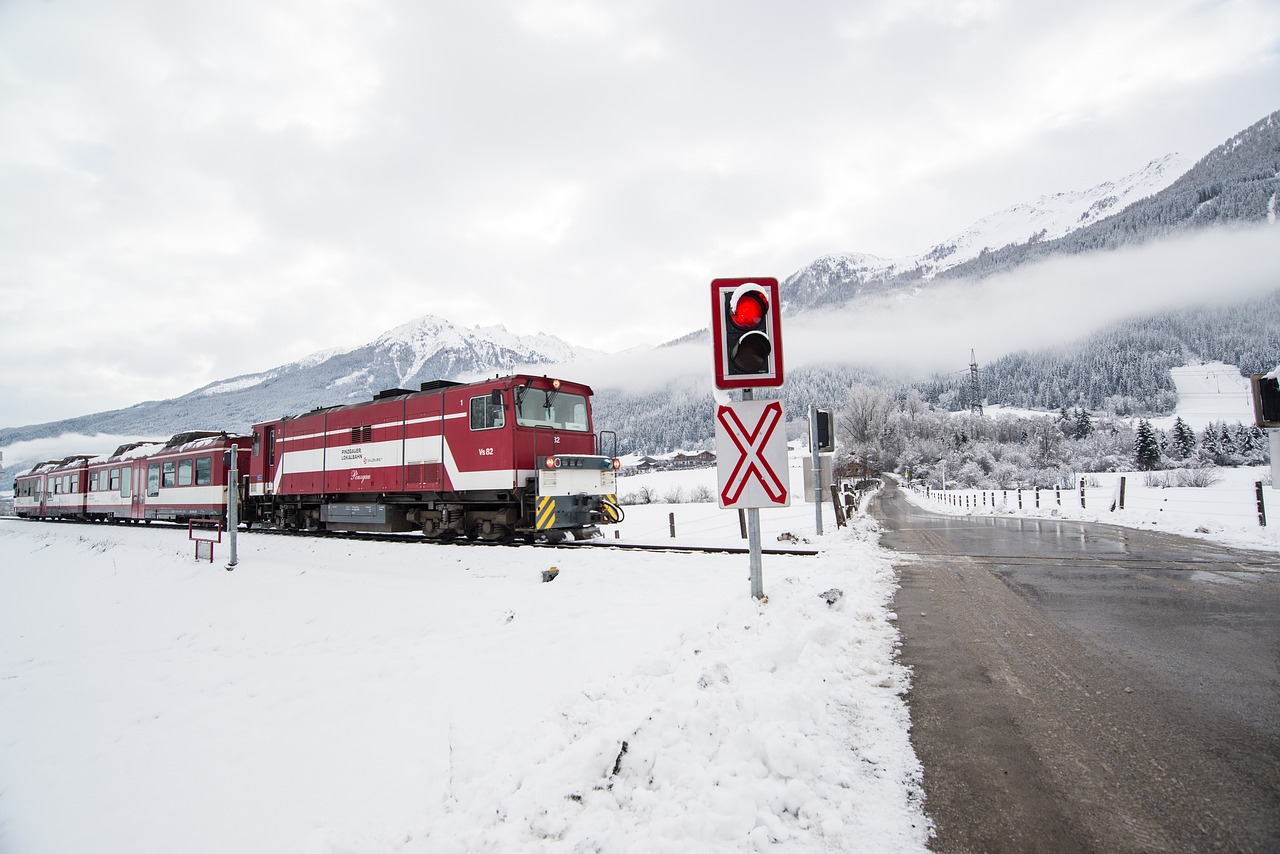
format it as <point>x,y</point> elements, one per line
<point>746,331</point>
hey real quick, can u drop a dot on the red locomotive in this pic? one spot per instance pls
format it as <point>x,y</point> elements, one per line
<point>516,456</point>
<point>497,459</point>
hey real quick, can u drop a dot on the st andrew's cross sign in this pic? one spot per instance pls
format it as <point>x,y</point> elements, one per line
<point>751,455</point>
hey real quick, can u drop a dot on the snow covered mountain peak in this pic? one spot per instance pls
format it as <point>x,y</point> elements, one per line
<point>426,336</point>
<point>1048,217</point>
<point>844,276</point>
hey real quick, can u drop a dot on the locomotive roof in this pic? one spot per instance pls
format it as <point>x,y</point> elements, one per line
<point>438,386</point>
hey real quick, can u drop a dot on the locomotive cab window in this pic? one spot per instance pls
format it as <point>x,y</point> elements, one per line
<point>486,414</point>
<point>543,408</point>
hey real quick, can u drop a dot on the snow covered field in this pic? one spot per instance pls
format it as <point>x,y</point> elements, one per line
<point>330,696</point>
<point>1226,512</point>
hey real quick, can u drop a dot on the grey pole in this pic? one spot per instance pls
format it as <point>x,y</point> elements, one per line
<point>753,535</point>
<point>233,504</point>
<point>1273,436</point>
<point>817,469</point>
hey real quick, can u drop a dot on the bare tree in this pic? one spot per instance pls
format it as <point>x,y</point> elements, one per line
<point>865,414</point>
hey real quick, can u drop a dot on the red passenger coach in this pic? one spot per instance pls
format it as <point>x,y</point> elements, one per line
<point>187,478</point>
<point>65,487</point>
<point>115,482</point>
<point>31,491</point>
<point>492,459</point>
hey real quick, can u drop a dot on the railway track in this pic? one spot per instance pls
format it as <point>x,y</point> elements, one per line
<point>568,544</point>
<point>599,543</point>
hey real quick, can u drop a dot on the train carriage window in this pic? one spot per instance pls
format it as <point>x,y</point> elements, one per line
<point>115,480</point>
<point>93,481</point>
<point>153,479</point>
<point>169,474</point>
<point>204,471</point>
<point>257,443</point>
<point>126,482</point>
<point>485,414</point>
<point>185,468</point>
<point>75,483</point>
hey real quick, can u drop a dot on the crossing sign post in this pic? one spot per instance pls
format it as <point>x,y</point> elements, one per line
<point>751,435</point>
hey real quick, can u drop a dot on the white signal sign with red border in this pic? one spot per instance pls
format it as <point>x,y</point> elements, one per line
<point>751,455</point>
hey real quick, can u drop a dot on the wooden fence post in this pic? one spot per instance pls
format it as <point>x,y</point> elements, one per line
<point>1262,507</point>
<point>835,502</point>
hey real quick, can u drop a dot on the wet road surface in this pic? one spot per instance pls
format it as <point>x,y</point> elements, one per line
<point>1081,687</point>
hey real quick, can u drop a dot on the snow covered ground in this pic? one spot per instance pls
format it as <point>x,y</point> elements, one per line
<point>331,696</point>
<point>1226,512</point>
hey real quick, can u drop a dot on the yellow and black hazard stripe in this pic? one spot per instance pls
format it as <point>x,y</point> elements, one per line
<point>546,517</point>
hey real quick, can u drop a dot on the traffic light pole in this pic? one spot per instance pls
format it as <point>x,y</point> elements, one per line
<point>233,505</point>
<point>753,536</point>
<point>817,468</point>
<point>1273,436</point>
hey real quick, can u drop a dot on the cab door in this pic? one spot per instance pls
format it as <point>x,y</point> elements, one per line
<point>479,426</point>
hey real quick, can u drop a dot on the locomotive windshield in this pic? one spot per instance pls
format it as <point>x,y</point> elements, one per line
<point>536,407</point>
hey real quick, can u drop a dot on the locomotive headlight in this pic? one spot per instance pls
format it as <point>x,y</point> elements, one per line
<point>551,463</point>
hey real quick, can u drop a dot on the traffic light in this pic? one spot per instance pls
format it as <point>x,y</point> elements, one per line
<point>1266,400</point>
<point>746,329</point>
<point>826,438</point>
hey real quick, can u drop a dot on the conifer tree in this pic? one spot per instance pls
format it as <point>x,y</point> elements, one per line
<point>1146,447</point>
<point>1084,425</point>
<point>1183,442</point>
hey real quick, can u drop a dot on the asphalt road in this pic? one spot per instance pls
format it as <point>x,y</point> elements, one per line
<point>1082,687</point>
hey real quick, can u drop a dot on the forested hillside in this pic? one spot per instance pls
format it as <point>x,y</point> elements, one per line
<point>1125,368</point>
<point>1122,370</point>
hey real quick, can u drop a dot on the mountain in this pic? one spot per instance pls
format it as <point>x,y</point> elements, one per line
<point>1237,182</point>
<point>839,278</point>
<point>425,349</point>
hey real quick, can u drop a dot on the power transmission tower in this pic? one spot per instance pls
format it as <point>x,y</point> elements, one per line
<point>975,390</point>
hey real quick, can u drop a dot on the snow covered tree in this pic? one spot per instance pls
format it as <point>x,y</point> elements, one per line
<point>1182,442</point>
<point>1146,447</point>
<point>1083,423</point>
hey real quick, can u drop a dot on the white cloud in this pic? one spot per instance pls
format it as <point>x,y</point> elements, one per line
<point>199,190</point>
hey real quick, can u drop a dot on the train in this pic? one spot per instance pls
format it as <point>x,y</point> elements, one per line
<point>508,458</point>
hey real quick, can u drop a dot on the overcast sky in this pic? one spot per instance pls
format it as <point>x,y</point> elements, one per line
<point>197,190</point>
